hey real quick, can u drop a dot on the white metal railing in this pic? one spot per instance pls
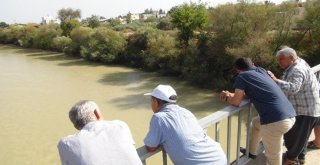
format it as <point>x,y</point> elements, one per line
<point>214,120</point>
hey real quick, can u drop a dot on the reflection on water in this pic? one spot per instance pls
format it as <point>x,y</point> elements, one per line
<point>38,88</point>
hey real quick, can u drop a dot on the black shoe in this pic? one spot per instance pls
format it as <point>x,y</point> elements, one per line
<point>243,151</point>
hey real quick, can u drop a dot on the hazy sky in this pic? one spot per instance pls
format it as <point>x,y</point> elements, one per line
<point>26,11</point>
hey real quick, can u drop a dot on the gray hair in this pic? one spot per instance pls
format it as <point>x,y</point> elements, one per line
<point>82,113</point>
<point>287,51</point>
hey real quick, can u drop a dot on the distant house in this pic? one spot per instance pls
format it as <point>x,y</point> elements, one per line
<point>49,19</point>
<point>135,17</point>
<point>154,14</point>
<point>141,16</point>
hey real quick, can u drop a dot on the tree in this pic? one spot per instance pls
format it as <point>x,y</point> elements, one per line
<point>129,18</point>
<point>188,18</point>
<point>68,25</point>
<point>3,25</point>
<point>309,33</point>
<point>92,21</point>
<point>68,14</point>
<point>114,21</point>
<point>165,24</point>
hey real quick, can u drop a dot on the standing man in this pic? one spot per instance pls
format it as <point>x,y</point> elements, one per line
<point>178,132</point>
<point>276,114</point>
<point>99,142</point>
<point>302,89</point>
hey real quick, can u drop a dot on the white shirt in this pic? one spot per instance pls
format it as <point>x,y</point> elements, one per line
<point>100,143</point>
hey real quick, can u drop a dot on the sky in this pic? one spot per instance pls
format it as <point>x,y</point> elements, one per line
<point>31,11</point>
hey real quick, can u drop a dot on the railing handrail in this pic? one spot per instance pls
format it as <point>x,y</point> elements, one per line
<point>221,114</point>
<point>316,68</point>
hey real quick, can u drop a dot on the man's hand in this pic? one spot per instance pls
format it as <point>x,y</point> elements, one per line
<point>224,95</point>
<point>272,75</point>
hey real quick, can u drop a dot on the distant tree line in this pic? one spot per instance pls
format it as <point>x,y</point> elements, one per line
<point>193,42</point>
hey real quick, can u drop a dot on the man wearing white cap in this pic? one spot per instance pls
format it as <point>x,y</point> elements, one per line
<point>177,130</point>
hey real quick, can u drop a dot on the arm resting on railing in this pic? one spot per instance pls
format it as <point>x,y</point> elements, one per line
<point>151,149</point>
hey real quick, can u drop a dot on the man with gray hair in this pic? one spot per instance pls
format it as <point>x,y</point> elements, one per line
<point>302,89</point>
<point>99,142</point>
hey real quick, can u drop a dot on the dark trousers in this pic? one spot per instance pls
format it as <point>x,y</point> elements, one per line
<point>297,137</point>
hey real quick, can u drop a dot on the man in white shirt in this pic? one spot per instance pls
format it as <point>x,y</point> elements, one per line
<point>98,142</point>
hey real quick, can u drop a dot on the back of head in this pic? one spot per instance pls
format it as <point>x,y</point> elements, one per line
<point>82,113</point>
<point>287,51</point>
<point>243,63</point>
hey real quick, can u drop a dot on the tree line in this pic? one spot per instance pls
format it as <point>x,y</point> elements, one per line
<point>193,42</point>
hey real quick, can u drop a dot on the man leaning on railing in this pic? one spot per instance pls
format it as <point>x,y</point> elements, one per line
<point>177,130</point>
<point>276,113</point>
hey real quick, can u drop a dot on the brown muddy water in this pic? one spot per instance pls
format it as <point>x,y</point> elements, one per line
<point>38,88</point>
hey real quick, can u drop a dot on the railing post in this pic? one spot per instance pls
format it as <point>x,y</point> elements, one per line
<point>238,136</point>
<point>228,139</point>
<point>248,129</point>
<point>164,157</point>
<point>217,131</point>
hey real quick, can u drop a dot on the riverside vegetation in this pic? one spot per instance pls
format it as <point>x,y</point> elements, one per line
<point>193,42</point>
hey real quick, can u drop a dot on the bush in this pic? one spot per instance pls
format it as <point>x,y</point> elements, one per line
<point>60,43</point>
<point>26,40</point>
<point>152,49</point>
<point>43,38</point>
<point>11,34</point>
<point>79,37</point>
<point>103,45</point>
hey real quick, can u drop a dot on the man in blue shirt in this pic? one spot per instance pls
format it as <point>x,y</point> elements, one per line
<point>177,130</point>
<point>276,113</point>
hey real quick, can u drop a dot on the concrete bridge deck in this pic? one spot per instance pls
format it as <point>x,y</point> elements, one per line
<point>312,158</point>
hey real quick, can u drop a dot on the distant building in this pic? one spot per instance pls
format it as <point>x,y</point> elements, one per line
<point>154,14</point>
<point>135,17</point>
<point>49,19</point>
<point>141,16</point>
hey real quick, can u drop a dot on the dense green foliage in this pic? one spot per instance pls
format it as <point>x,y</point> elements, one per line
<point>103,45</point>
<point>68,25</point>
<point>152,49</point>
<point>202,46</point>
<point>188,18</point>
<point>68,14</point>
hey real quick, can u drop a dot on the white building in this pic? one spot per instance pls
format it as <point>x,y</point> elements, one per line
<point>49,19</point>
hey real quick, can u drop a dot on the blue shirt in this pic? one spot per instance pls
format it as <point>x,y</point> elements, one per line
<point>270,102</point>
<point>178,131</point>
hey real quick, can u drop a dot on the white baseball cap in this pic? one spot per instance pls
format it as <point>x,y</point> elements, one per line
<point>163,92</point>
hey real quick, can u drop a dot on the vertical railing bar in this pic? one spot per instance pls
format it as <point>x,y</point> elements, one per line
<point>164,157</point>
<point>248,129</point>
<point>228,139</point>
<point>238,136</point>
<point>217,132</point>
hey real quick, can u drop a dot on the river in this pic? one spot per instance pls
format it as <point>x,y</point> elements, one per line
<point>39,87</point>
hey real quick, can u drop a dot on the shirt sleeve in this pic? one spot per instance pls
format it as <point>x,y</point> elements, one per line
<point>127,132</point>
<point>239,83</point>
<point>62,152</point>
<point>154,137</point>
<point>293,82</point>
